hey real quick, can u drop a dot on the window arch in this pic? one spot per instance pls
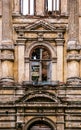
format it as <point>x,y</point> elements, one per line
<point>40,64</point>
<point>27,7</point>
<point>47,123</point>
<point>40,125</point>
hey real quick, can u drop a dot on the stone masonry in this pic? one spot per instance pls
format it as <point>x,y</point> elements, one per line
<point>27,103</point>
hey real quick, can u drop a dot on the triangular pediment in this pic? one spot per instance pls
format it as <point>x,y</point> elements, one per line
<point>40,25</point>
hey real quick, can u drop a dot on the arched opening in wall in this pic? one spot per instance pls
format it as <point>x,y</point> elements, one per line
<point>40,64</point>
<point>40,125</point>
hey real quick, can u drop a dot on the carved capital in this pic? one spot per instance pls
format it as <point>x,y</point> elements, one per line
<point>73,45</point>
<point>59,42</point>
<point>20,42</point>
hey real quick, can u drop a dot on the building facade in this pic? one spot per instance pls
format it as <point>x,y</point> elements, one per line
<point>40,64</point>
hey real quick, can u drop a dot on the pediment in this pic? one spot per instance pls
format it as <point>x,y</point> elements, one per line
<point>39,96</point>
<point>40,25</point>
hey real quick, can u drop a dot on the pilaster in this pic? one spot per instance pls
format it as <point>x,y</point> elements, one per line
<point>21,53</point>
<point>60,119</point>
<point>73,49</point>
<point>60,43</point>
<point>7,47</point>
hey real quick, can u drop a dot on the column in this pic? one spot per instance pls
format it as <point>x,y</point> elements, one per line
<point>73,55</point>
<point>21,61</point>
<point>7,47</point>
<point>60,44</point>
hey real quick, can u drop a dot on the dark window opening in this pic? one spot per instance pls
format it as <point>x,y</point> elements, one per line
<point>52,7</point>
<point>40,125</point>
<point>40,65</point>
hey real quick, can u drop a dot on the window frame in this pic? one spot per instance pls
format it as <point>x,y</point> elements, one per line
<point>52,12</point>
<point>40,61</point>
<point>29,8</point>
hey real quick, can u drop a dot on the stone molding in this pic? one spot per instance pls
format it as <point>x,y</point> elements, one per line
<point>7,47</point>
<point>20,42</point>
<point>60,39</point>
<point>54,60</point>
<point>74,81</point>
<point>40,23</point>
<point>27,59</point>
<point>9,57</point>
<point>71,57</point>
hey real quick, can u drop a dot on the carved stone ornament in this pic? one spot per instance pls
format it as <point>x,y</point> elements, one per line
<point>73,45</point>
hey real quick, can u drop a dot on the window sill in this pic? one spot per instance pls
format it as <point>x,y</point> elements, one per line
<point>40,84</point>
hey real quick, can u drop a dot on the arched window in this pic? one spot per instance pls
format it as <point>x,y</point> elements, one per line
<point>40,64</point>
<point>27,7</point>
<point>52,6</point>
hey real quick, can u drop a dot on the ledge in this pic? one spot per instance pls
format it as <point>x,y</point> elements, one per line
<point>40,84</point>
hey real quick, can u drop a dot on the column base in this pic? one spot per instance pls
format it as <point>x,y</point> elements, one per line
<point>73,80</point>
<point>7,82</point>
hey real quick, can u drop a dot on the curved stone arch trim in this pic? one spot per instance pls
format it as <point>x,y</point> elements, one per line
<point>45,119</point>
<point>29,96</point>
<point>45,44</point>
<point>44,94</point>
